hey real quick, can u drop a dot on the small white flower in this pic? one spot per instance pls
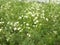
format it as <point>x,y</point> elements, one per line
<point>12,14</point>
<point>28,27</point>
<point>11,9</point>
<point>38,9</point>
<point>8,39</point>
<point>1,22</point>
<point>21,25</point>
<point>55,32</point>
<point>40,24</point>
<point>46,19</point>
<point>1,7</point>
<point>43,11</point>
<point>54,20</point>
<point>16,23</point>
<point>24,22</point>
<point>36,22</point>
<point>42,14</point>
<point>28,35</point>
<point>40,5</point>
<point>20,17</point>
<point>33,15</point>
<point>19,28</point>
<point>43,17</point>
<point>26,16</point>
<point>19,0</point>
<point>27,24</point>
<point>34,25</point>
<point>10,35</point>
<point>9,2</point>
<point>11,23</point>
<point>1,19</point>
<point>32,7</point>
<point>8,22</point>
<point>15,28</point>
<point>29,12</point>
<point>5,8</point>
<point>10,27</point>
<point>35,18</point>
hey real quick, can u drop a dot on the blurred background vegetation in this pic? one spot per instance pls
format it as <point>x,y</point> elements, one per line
<point>29,23</point>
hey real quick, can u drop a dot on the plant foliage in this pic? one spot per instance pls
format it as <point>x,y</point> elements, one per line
<point>33,23</point>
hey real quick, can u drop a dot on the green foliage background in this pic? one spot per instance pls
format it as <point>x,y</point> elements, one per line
<point>33,23</point>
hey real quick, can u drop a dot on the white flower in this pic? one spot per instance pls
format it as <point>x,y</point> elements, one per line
<point>19,0</point>
<point>38,9</point>
<point>35,18</point>
<point>8,22</point>
<point>27,24</point>
<point>1,19</point>
<point>29,12</point>
<point>12,14</point>
<point>40,5</point>
<point>28,35</point>
<point>20,17</point>
<point>21,30</point>
<point>16,23</point>
<point>28,27</point>
<point>26,16</point>
<point>32,7</point>
<point>33,15</point>
<point>21,25</point>
<point>1,22</point>
<point>10,27</point>
<point>40,24</point>
<point>54,20</point>
<point>55,32</point>
<point>11,23</point>
<point>43,11</point>
<point>36,22</point>
<point>8,39</point>
<point>42,14</point>
<point>43,17</point>
<point>9,2</point>
<point>1,7</point>
<point>15,28</point>
<point>34,25</point>
<point>46,19</point>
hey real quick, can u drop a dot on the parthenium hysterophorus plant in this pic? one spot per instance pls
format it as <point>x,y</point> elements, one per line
<point>30,23</point>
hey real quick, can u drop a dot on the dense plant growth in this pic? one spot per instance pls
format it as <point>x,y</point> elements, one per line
<point>32,23</point>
